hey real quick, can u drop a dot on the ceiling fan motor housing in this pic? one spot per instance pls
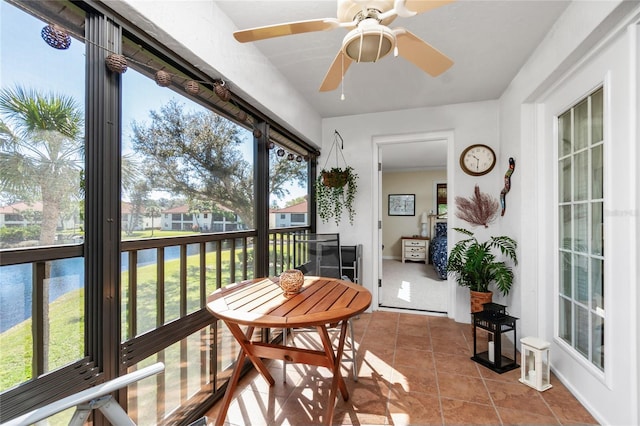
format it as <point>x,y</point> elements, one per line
<point>368,42</point>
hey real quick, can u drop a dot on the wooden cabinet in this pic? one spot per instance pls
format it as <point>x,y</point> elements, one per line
<point>415,248</point>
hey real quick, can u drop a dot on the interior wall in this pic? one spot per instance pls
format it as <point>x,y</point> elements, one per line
<point>419,183</point>
<point>475,122</point>
<point>590,45</point>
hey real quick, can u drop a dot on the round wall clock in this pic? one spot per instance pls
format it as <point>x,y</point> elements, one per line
<point>477,160</point>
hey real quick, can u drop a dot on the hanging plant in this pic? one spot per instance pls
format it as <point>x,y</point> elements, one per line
<point>336,188</point>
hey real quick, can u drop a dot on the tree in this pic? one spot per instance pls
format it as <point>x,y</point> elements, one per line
<point>197,155</point>
<point>41,152</point>
<point>41,155</point>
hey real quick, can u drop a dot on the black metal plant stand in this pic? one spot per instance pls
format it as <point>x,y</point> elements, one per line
<point>494,319</point>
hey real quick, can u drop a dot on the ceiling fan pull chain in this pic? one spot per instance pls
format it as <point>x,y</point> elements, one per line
<point>342,79</point>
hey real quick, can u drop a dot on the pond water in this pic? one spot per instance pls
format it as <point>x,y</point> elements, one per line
<point>66,275</point>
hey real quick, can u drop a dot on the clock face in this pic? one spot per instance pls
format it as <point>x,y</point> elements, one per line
<point>477,160</point>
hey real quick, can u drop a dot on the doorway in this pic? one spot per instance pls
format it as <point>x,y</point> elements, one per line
<point>410,165</point>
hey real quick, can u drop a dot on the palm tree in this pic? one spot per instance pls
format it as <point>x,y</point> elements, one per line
<point>41,151</point>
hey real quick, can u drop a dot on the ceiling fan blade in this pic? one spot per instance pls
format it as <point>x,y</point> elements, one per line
<point>278,30</point>
<point>421,6</point>
<point>336,71</point>
<point>421,53</point>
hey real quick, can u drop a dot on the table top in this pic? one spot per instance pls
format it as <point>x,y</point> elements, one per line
<point>260,302</point>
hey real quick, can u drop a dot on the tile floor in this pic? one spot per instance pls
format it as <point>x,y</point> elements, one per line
<point>413,370</point>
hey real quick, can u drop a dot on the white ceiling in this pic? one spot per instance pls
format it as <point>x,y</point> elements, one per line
<point>487,40</point>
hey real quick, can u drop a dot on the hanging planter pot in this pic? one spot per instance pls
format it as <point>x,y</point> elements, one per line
<point>336,188</point>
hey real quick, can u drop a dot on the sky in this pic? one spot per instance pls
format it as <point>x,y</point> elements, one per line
<point>26,57</point>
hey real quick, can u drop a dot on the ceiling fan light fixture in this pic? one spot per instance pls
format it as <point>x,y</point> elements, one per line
<point>369,42</point>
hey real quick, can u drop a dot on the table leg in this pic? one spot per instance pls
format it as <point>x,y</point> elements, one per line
<point>338,381</point>
<point>231,387</point>
<point>245,343</point>
<point>245,351</point>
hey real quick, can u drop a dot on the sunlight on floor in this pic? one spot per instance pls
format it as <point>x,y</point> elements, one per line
<point>404,292</point>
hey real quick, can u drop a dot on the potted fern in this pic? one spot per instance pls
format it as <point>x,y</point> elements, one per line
<point>335,193</point>
<point>474,265</point>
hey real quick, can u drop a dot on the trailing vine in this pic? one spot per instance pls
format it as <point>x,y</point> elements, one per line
<point>336,192</point>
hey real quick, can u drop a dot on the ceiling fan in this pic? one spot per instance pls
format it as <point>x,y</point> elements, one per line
<point>369,38</point>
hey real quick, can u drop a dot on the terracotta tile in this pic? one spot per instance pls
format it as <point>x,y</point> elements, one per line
<point>415,408</point>
<point>456,412</point>
<point>414,358</point>
<point>566,406</point>
<point>456,364</point>
<point>508,376</point>
<point>456,346</point>
<point>418,330</point>
<point>464,388</point>
<point>414,319</point>
<point>512,416</point>
<point>421,343</point>
<point>402,380</point>
<point>517,396</point>
<point>367,403</point>
<point>411,379</point>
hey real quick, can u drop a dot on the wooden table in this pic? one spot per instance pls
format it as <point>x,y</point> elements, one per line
<point>260,303</point>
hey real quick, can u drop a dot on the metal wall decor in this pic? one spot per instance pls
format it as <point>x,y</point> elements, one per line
<point>507,184</point>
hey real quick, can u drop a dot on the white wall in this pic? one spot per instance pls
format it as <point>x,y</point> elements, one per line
<point>470,123</point>
<point>589,46</point>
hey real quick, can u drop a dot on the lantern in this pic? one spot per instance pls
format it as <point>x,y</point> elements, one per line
<point>495,321</point>
<point>535,363</point>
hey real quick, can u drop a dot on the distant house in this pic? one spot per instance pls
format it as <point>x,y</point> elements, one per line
<point>180,219</point>
<point>295,215</point>
<point>137,221</point>
<point>20,214</point>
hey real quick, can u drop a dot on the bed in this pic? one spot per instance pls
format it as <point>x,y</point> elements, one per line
<point>438,249</point>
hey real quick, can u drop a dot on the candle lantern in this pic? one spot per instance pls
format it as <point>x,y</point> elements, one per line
<point>495,321</point>
<point>535,363</point>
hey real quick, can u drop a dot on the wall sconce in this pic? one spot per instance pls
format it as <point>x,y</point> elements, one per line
<point>535,363</point>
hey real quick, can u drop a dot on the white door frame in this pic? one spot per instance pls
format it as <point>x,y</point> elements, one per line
<point>379,141</point>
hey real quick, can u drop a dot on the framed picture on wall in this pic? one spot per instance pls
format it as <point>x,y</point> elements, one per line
<point>402,204</point>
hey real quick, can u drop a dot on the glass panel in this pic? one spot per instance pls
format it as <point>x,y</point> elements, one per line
<point>146,291</point>
<point>565,274</point>
<point>565,320</point>
<point>193,278</point>
<point>565,228</point>
<point>581,274</point>
<point>212,254</point>
<point>209,173</point>
<point>597,284</point>
<point>124,297</point>
<point>288,192</point>
<point>582,330</point>
<point>597,351</point>
<point>581,125</point>
<point>171,283</point>
<point>596,172</point>
<point>564,174</point>
<point>580,228</point>
<point>564,134</point>
<point>42,116</point>
<point>66,311</point>
<point>16,339</point>
<point>581,176</point>
<point>186,373</point>
<point>597,116</point>
<point>597,239</point>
